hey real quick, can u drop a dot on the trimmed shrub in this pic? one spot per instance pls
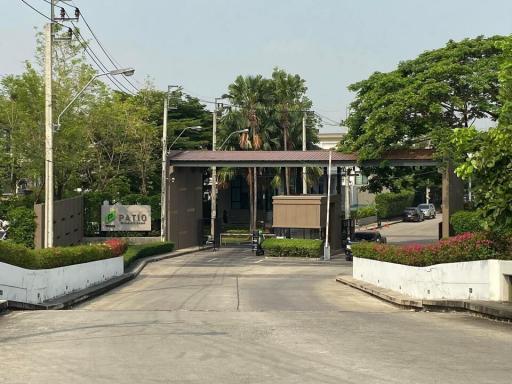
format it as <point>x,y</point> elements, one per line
<point>18,255</point>
<point>117,246</point>
<point>362,212</point>
<point>22,225</point>
<point>466,221</point>
<point>24,257</point>
<point>393,204</point>
<point>292,247</point>
<point>464,247</point>
<point>138,251</point>
<point>62,256</point>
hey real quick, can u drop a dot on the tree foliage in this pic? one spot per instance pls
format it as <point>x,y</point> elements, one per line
<point>488,155</point>
<point>420,102</point>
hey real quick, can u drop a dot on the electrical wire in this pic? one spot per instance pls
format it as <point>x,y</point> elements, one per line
<point>109,56</point>
<point>79,38</point>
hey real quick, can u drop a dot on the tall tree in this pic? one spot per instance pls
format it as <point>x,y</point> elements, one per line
<point>424,99</point>
<point>289,96</point>
<point>487,156</point>
<point>250,94</point>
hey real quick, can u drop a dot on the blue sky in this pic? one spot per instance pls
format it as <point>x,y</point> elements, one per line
<point>203,45</point>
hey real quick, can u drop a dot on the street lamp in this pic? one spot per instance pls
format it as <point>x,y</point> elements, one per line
<point>124,71</point>
<point>231,134</point>
<point>193,128</point>
<point>48,217</point>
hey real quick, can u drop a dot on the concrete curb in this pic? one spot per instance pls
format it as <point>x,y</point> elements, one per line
<point>489,309</point>
<point>75,298</point>
<point>383,225</point>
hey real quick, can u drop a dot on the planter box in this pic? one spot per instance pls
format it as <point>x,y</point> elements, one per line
<point>472,280</point>
<point>36,286</point>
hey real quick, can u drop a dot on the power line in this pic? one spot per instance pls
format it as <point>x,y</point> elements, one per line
<point>101,67</point>
<point>109,56</point>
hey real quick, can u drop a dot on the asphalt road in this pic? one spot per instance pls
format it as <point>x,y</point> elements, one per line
<point>426,231</point>
<point>230,317</point>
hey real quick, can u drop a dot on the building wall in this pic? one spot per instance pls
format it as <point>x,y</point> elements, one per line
<point>185,206</point>
<point>68,222</point>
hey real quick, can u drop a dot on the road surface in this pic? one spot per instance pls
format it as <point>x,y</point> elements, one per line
<point>231,317</point>
<point>411,232</point>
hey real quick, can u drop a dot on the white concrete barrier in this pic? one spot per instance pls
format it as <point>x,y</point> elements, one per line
<point>472,280</point>
<point>35,286</point>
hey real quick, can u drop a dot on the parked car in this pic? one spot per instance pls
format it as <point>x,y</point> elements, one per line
<point>413,214</point>
<point>428,210</point>
<point>357,237</point>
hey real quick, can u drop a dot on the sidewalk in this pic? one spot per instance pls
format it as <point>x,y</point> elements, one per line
<point>490,309</point>
<point>384,224</point>
<point>130,273</point>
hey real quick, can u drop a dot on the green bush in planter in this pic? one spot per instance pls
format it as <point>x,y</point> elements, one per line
<point>292,247</point>
<point>393,204</point>
<point>466,221</point>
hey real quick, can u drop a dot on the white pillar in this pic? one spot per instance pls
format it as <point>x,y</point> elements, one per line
<point>327,248</point>
<point>163,201</point>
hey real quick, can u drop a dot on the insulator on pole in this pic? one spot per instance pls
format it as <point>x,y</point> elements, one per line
<point>62,13</point>
<point>77,13</point>
<point>70,33</point>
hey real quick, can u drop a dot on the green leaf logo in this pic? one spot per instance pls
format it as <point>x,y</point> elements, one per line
<point>110,217</point>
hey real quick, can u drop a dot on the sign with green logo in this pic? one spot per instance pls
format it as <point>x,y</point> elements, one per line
<point>125,217</point>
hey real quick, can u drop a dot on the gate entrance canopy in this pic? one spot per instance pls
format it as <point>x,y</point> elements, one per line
<point>244,159</point>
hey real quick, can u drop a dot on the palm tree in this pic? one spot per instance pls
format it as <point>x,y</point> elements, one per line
<point>289,96</point>
<point>250,94</point>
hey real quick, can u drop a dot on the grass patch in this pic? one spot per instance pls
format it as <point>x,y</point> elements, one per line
<point>138,251</point>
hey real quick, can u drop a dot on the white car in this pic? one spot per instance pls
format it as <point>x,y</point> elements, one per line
<point>428,210</point>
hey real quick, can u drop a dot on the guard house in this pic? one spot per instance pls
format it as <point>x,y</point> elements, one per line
<point>300,215</point>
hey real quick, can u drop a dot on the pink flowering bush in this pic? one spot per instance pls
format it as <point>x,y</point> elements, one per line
<point>464,247</point>
<point>117,246</point>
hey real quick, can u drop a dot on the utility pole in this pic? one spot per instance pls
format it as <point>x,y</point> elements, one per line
<point>48,142</point>
<point>48,201</point>
<point>163,201</point>
<point>213,196</point>
<point>304,169</point>
<point>327,247</point>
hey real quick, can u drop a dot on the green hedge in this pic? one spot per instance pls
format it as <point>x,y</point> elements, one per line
<point>292,247</point>
<point>22,225</point>
<point>393,204</point>
<point>464,247</point>
<point>138,251</point>
<point>21,256</point>
<point>362,212</point>
<point>466,221</point>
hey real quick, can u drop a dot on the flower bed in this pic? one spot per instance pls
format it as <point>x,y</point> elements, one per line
<point>464,247</point>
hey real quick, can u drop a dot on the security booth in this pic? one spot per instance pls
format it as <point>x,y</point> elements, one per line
<point>305,217</point>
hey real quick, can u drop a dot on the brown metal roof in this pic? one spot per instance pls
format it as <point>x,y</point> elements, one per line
<point>291,158</point>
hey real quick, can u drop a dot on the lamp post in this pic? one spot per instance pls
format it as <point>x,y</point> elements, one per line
<point>165,150</point>
<point>48,239</point>
<point>231,134</point>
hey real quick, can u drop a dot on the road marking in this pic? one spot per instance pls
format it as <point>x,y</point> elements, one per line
<point>215,258</point>
<point>259,261</point>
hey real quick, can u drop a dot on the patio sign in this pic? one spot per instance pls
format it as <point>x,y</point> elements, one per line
<point>125,217</point>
